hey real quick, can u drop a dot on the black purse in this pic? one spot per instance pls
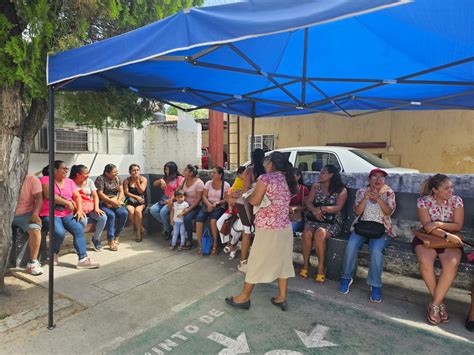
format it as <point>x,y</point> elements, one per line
<point>369,229</point>
<point>328,218</point>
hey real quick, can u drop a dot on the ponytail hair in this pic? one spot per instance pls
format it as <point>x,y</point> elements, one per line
<point>433,182</point>
<point>280,163</point>
<point>193,169</point>
<point>335,184</point>
<point>258,156</point>
<point>220,171</point>
<point>75,170</point>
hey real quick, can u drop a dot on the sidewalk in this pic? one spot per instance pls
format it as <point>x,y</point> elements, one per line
<point>144,293</point>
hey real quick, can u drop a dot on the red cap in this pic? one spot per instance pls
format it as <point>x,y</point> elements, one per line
<point>377,170</point>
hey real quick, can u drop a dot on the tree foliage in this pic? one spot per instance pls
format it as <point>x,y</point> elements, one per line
<point>31,29</point>
<point>197,114</point>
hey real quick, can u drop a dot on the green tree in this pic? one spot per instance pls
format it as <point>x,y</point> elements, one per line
<point>29,30</point>
<point>197,114</point>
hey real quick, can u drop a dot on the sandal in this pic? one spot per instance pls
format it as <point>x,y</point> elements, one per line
<point>214,251</point>
<point>304,274</point>
<point>187,245</point>
<point>433,314</point>
<point>320,278</point>
<point>199,251</point>
<point>113,246</point>
<point>232,254</point>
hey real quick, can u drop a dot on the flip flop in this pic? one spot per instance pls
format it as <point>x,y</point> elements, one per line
<point>304,274</point>
<point>320,278</point>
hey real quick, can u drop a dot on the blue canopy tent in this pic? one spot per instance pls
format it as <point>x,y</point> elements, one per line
<point>266,58</point>
<point>274,57</point>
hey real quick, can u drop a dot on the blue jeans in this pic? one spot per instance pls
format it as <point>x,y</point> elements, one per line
<point>178,230</point>
<point>70,224</point>
<point>298,226</point>
<point>100,223</point>
<point>188,222</point>
<point>376,247</point>
<point>120,214</point>
<point>161,213</point>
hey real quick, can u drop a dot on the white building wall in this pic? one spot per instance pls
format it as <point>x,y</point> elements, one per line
<point>172,143</point>
<point>99,160</point>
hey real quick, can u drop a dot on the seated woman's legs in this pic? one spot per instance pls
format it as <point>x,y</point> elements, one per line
<point>122,216</point>
<point>139,219</point>
<point>450,260</point>
<point>470,315</point>
<point>350,257</point>
<point>101,221</point>
<point>201,218</point>
<point>59,233</point>
<point>376,247</point>
<point>426,258</point>
<point>307,244</point>
<point>131,215</point>
<point>110,225</point>
<point>155,211</point>
<point>188,223</point>
<point>165,218</point>
<point>213,217</point>
<point>320,237</point>
<point>77,230</point>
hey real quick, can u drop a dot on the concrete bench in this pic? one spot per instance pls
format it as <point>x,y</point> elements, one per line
<point>399,257</point>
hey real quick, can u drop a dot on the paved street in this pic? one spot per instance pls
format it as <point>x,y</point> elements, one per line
<point>147,299</point>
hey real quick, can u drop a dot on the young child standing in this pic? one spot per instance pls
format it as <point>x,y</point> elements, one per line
<point>176,219</point>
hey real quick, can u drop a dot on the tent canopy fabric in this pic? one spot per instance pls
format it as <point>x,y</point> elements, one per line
<point>274,57</point>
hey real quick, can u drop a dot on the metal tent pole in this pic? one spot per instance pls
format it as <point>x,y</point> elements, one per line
<point>52,143</point>
<point>252,140</point>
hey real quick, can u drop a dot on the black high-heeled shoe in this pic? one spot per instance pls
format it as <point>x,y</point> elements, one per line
<point>469,324</point>
<point>283,305</point>
<point>230,302</point>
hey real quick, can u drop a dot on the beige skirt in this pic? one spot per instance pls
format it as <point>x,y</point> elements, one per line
<point>271,256</point>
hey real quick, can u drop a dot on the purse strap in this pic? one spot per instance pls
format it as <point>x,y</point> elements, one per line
<point>222,190</point>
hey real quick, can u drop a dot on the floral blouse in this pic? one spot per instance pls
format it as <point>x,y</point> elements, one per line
<point>373,211</point>
<point>275,216</point>
<point>443,212</point>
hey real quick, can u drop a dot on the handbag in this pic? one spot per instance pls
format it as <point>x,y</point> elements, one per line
<point>87,203</point>
<point>432,242</point>
<point>369,229</point>
<point>206,242</point>
<point>245,211</point>
<point>328,218</point>
<point>227,225</point>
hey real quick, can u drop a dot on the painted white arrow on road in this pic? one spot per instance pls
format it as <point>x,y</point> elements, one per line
<point>239,346</point>
<point>316,338</point>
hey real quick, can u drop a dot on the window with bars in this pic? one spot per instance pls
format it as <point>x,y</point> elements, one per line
<point>67,141</point>
<point>73,141</point>
<point>262,141</point>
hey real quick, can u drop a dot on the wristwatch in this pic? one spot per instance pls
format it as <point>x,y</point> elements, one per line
<point>446,236</point>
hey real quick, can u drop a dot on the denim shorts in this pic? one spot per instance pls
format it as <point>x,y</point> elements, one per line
<point>23,222</point>
<point>203,215</point>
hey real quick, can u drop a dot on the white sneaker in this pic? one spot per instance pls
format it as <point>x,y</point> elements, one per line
<point>242,267</point>
<point>34,268</point>
<point>87,263</point>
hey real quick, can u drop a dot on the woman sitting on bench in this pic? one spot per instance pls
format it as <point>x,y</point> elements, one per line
<point>441,214</point>
<point>373,205</point>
